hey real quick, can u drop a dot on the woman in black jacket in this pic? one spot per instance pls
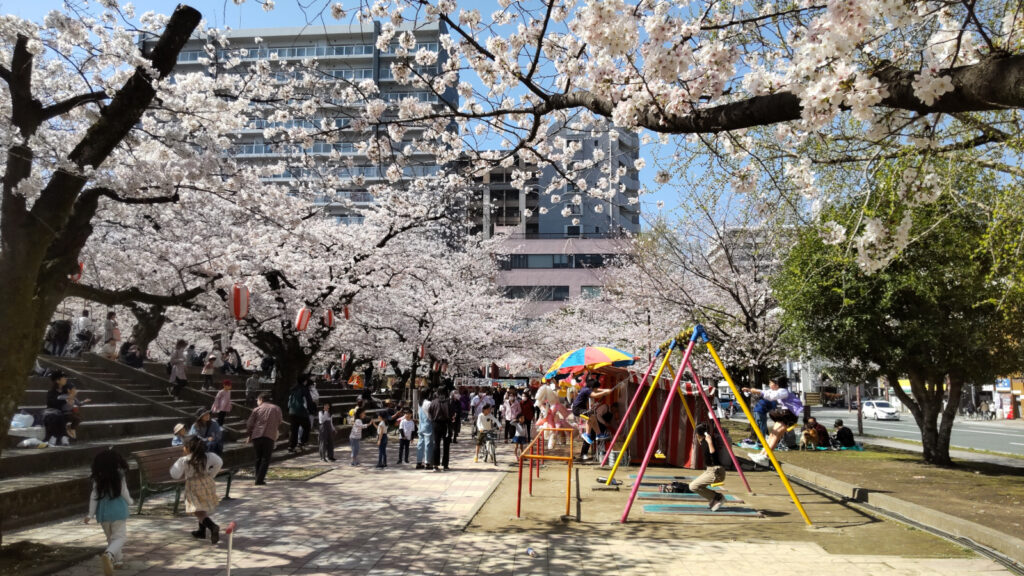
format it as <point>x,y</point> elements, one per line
<point>54,421</point>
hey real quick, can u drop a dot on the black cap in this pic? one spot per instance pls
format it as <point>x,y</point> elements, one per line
<point>57,375</point>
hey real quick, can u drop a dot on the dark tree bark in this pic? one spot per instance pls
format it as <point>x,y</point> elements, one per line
<point>149,321</point>
<point>40,247</point>
<point>925,403</point>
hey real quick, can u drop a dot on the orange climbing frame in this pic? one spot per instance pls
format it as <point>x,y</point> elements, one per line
<point>534,453</point>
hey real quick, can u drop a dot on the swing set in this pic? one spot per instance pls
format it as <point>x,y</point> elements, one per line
<point>685,365</point>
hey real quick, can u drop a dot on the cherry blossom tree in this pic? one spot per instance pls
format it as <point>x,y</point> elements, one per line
<point>76,93</point>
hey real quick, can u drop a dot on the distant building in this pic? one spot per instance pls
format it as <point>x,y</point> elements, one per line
<point>558,255</point>
<point>344,56</point>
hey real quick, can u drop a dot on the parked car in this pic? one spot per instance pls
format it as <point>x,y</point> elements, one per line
<point>880,410</point>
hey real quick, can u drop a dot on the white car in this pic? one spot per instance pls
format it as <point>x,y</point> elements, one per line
<point>880,410</point>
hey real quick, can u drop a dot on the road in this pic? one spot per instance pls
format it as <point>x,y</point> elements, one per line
<point>995,436</point>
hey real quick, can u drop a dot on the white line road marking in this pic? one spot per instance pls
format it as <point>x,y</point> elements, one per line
<point>1017,443</point>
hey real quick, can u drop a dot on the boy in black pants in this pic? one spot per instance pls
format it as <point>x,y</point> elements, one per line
<point>716,459</point>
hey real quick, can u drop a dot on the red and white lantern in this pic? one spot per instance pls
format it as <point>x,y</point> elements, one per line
<point>345,311</point>
<point>423,351</point>
<point>302,319</point>
<point>381,364</point>
<point>437,366</point>
<point>329,318</point>
<point>344,359</point>
<point>78,276</point>
<point>240,301</point>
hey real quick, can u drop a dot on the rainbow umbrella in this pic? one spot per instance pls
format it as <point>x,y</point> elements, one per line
<point>589,358</point>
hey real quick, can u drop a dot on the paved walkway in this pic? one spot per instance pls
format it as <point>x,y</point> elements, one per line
<point>351,521</point>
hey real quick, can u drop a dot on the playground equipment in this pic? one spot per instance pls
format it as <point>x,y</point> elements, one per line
<point>535,454</point>
<point>698,334</point>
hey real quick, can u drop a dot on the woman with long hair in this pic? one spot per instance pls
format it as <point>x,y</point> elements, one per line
<point>199,468</point>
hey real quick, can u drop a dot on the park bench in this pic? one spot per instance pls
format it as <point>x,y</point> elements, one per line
<point>155,474</point>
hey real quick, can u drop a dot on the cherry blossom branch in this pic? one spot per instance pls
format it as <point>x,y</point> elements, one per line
<point>65,106</point>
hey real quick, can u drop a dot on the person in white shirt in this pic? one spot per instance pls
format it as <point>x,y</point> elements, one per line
<point>356,435</point>
<point>406,427</point>
<point>485,422</point>
<point>326,434</point>
<point>382,441</point>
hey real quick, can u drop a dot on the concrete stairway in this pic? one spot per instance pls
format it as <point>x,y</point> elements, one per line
<point>128,411</point>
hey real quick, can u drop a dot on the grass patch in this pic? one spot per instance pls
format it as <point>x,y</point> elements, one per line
<point>981,492</point>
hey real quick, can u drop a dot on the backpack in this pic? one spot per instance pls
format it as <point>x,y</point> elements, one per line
<point>793,403</point>
<point>297,401</point>
<point>675,488</point>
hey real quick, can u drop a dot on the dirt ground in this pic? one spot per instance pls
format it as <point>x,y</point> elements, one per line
<point>838,528</point>
<point>987,494</point>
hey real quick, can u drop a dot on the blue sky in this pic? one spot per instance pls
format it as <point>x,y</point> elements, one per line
<point>221,13</point>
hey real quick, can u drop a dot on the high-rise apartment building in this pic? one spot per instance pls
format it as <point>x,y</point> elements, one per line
<point>336,167</point>
<point>559,240</point>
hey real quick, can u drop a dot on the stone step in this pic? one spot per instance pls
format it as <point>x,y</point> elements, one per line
<point>118,428</point>
<point>38,397</point>
<point>19,462</point>
<point>36,498</point>
<point>103,411</point>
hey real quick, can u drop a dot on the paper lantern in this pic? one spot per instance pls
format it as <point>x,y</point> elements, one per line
<point>423,351</point>
<point>329,318</point>
<point>302,319</point>
<point>240,301</point>
<point>382,364</point>
<point>344,359</point>
<point>345,311</point>
<point>78,276</point>
<point>437,366</point>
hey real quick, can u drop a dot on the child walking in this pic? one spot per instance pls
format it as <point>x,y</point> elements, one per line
<point>199,468</point>
<point>521,438</point>
<point>108,505</point>
<point>382,441</point>
<point>406,427</point>
<point>356,434</point>
<point>222,402</point>
<point>207,373</point>
<point>326,434</point>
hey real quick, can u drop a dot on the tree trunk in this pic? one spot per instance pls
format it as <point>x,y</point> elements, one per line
<point>148,324</point>
<point>39,246</point>
<point>289,368</point>
<point>925,403</point>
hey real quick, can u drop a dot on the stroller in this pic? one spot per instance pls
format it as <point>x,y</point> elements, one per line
<point>82,342</point>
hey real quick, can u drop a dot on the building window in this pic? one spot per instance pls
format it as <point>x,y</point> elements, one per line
<point>572,231</point>
<point>589,260</point>
<point>574,209</point>
<point>538,293</point>
<point>590,291</point>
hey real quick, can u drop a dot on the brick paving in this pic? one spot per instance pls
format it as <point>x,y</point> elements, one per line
<point>360,521</point>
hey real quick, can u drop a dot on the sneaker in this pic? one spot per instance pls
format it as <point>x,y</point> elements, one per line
<point>717,502</point>
<point>604,436</point>
<point>107,563</point>
<point>64,441</point>
<point>761,459</point>
<point>52,441</point>
<point>587,438</point>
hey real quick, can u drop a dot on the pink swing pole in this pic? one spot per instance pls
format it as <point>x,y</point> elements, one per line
<point>657,428</point>
<point>632,404</point>
<point>718,425</point>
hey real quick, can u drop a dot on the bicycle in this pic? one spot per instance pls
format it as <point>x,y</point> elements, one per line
<point>490,439</point>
